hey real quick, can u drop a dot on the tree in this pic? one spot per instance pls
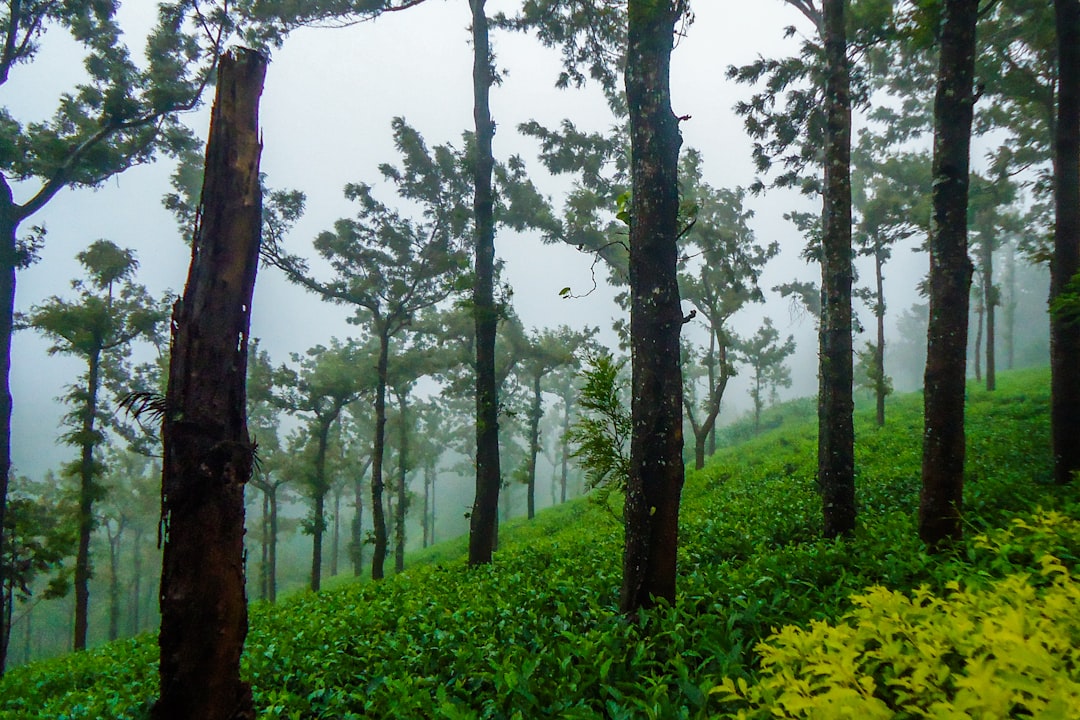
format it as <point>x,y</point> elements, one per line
<point>123,115</point>
<point>1065,266</point>
<point>390,268</point>
<point>42,533</point>
<point>208,454</point>
<point>724,281</point>
<point>601,435</point>
<point>656,467</point>
<point>111,312</point>
<point>547,350</point>
<point>941,497</point>
<point>329,379</point>
<point>765,355</point>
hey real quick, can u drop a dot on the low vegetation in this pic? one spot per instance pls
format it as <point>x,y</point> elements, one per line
<point>770,618</point>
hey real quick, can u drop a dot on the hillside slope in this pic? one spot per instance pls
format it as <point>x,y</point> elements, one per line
<point>537,633</point>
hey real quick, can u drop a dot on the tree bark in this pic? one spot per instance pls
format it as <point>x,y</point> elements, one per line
<point>378,450</point>
<point>87,490</point>
<point>357,545</point>
<point>535,411</point>
<point>318,525</point>
<point>8,263</point>
<point>836,433</point>
<point>114,584</point>
<point>402,499</point>
<point>656,466</point>
<point>488,474</point>
<point>941,498</point>
<point>208,453</point>
<point>1065,337</point>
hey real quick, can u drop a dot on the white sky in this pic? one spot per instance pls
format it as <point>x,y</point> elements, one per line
<point>329,97</point>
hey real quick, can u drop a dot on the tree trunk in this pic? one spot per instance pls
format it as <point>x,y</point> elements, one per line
<point>989,301</point>
<point>402,499</point>
<point>358,528</point>
<point>940,500</point>
<point>1065,337</point>
<point>977,354</point>
<point>656,466</point>
<point>271,576</point>
<point>836,433</point>
<point>208,453</point>
<point>264,546</point>
<point>488,474</point>
<point>1009,307</point>
<point>136,581</point>
<point>564,470</point>
<point>114,584</point>
<point>335,543</point>
<point>377,452</point>
<point>879,349</point>
<point>8,263</point>
<point>534,443</point>
<point>318,525</point>
<point>427,506</point>
<point>87,491</point>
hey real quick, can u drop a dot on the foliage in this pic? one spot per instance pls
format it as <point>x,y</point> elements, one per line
<point>1009,649</point>
<point>538,634</point>
<point>601,436</point>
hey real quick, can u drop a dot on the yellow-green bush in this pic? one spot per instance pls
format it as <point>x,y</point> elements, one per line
<point>1005,650</point>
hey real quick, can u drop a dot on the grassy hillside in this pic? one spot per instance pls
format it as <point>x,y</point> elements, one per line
<point>536,634</point>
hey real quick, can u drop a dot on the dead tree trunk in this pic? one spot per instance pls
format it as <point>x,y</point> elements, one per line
<point>207,450</point>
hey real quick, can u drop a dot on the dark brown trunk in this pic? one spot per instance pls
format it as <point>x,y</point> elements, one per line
<point>8,262</point>
<point>402,499</point>
<point>87,490</point>
<point>488,474</point>
<point>879,349</point>
<point>656,467</point>
<point>940,502</point>
<point>357,545</point>
<point>717,386</point>
<point>335,543</point>
<point>534,443</point>
<point>378,450</point>
<point>208,454</point>
<point>318,525</point>
<point>989,301</point>
<point>1065,337</point>
<point>836,442</point>
<point>977,355</point>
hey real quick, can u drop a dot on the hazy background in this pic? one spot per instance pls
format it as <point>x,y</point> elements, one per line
<point>329,98</point>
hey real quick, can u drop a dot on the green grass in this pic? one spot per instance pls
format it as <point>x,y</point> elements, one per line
<point>537,634</point>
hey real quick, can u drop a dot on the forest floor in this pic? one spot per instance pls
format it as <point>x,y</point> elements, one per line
<point>771,620</point>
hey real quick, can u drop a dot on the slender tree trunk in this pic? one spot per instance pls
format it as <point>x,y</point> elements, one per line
<point>335,543</point>
<point>318,525</point>
<point>485,510</point>
<point>989,301</point>
<point>427,503</point>
<point>717,386</point>
<point>836,433</point>
<point>1009,307</point>
<point>264,547</point>
<point>940,501</point>
<point>402,499</point>
<point>8,263</point>
<point>358,528</point>
<point>879,350</point>
<point>208,453</point>
<point>114,584</point>
<point>980,312</point>
<point>655,484</point>
<point>1065,337</point>
<point>564,470</point>
<point>271,576</point>
<point>378,558</point>
<point>534,443</point>
<point>87,491</point>
<point>136,581</point>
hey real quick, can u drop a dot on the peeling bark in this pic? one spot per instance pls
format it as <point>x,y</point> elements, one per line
<point>208,454</point>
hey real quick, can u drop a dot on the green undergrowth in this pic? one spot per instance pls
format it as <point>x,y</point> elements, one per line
<point>537,633</point>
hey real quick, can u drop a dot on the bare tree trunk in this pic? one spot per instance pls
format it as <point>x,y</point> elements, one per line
<point>378,451</point>
<point>1065,336</point>
<point>535,412</point>
<point>655,484</point>
<point>941,499</point>
<point>335,542</point>
<point>87,491</point>
<point>9,258</point>
<point>208,453</point>
<point>980,312</point>
<point>836,441</point>
<point>114,583</point>
<point>485,510</point>
<point>402,489</point>
<point>358,528</point>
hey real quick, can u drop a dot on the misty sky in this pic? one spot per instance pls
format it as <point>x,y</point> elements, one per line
<point>329,98</point>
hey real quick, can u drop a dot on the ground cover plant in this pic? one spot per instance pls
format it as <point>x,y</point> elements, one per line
<point>538,634</point>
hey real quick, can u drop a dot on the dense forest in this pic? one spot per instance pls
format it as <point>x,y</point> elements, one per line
<point>438,509</point>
